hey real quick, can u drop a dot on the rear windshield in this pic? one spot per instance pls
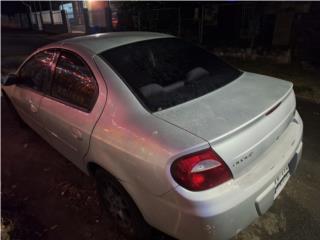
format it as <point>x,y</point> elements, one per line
<point>166,72</point>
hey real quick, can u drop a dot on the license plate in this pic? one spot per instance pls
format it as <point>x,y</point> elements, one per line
<point>281,181</point>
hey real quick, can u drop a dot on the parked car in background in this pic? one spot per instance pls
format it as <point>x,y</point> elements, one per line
<point>176,138</point>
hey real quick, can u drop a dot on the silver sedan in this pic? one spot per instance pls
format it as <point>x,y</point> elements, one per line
<point>176,138</point>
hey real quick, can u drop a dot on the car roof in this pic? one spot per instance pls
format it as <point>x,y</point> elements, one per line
<point>100,42</point>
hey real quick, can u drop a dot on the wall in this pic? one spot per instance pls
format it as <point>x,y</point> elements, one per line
<point>43,21</point>
<point>18,20</point>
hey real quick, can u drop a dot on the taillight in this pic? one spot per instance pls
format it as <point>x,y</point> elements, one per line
<point>200,171</point>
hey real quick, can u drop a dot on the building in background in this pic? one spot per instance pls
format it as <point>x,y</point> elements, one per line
<point>87,16</point>
<point>263,26</point>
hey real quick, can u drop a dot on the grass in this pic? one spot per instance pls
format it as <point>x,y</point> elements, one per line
<point>306,79</point>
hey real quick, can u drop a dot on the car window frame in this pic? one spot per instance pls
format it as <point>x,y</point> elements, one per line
<point>137,95</point>
<point>42,91</point>
<point>49,93</point>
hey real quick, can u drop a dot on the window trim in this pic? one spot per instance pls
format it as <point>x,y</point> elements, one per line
<point>41,92</point>
<point>96,93</point>
<point>138,96</point>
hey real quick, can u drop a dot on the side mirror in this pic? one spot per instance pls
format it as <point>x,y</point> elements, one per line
<point>11,79</point>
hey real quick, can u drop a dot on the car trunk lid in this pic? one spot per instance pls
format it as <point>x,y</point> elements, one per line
<point>240,120</point>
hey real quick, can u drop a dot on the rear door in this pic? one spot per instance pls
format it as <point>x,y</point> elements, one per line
<point>72,106</point>
<point>34,76</point>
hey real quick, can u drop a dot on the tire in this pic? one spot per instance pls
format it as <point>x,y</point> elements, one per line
<point>121,208</point>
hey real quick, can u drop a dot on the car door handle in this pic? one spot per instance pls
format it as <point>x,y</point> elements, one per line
<point>76,133</point>
<point>33,107</point>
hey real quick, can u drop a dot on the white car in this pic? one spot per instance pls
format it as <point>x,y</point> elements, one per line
<point>176,138</point>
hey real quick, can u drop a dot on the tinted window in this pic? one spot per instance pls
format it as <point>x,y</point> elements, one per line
<point>73,81</point>
<point>37,71</point>
<point>167,72</point>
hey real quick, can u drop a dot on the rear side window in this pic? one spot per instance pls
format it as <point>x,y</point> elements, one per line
<point>168,71</point>
<point>73,82</point>
<point>37,71</point>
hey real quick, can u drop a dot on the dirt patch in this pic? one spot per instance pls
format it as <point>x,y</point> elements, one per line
<point>17,224</point>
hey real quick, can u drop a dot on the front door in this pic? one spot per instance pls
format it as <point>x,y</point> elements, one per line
<point>33,76</point>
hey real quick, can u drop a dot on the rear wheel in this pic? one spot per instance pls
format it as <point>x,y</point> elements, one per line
<point>120,207</point>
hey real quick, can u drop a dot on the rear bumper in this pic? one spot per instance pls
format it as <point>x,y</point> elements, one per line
<point>222,212</point>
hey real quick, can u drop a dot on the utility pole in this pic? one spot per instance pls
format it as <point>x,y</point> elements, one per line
<point>30,13</point>
<point>51,15</point>
<point>40,14</point>
<point>36,16</point>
